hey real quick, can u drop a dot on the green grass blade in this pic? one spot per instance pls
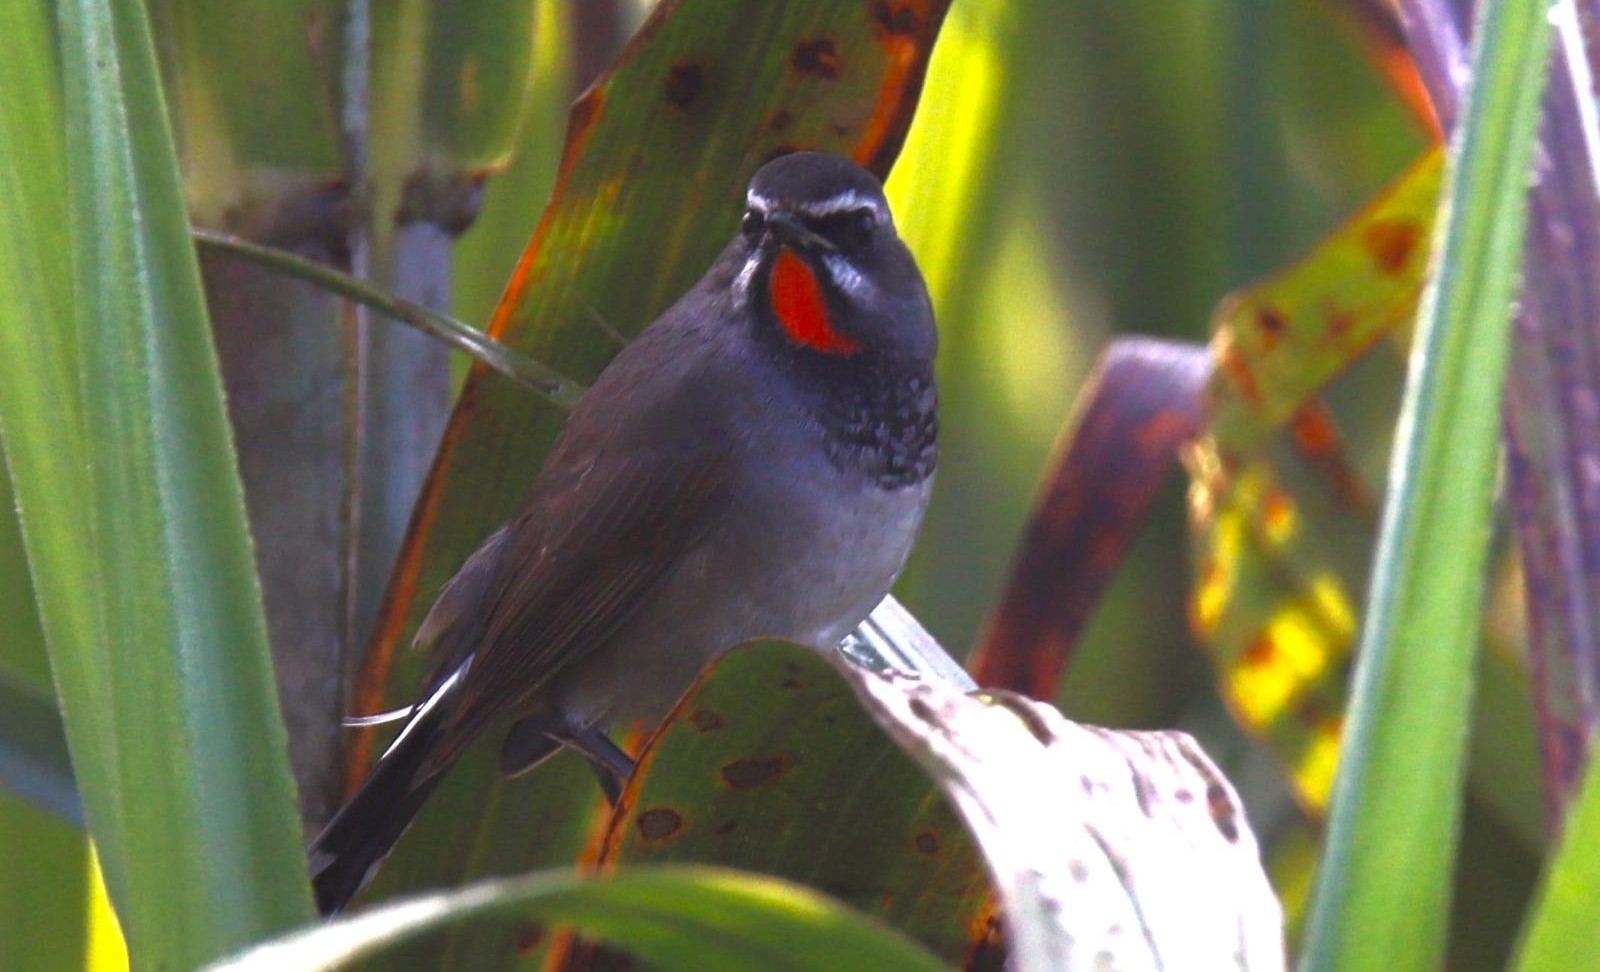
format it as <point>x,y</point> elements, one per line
<point>679,919</point>
<point>1563,930</point>
<point>130,501</point>
<point>1382,896</point>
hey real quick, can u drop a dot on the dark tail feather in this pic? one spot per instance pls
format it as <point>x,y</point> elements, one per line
<point>364,830</point>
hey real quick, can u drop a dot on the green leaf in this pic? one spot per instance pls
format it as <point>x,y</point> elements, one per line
<point>129,499</point>
<point>680,919</point>
<point>1563,929</point>
<point>1382,896</point>
<point>769,764</point>
<point>44,895</point>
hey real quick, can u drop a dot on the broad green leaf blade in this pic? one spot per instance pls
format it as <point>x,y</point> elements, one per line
<point>643,201</point>
<point>1397,796</point>
<point>44,913</point>
<point>1283,339</point>
<point>770,765</point>
<point>39,410</point>
<point>1563,929</point>
<point>679,919</point>
<point>1122,850</point>
<point>44,883</point>
<point>248,90</point>
<point>131,511</point>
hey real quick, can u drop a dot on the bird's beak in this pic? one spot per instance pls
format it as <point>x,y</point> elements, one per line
<point>791,232</point>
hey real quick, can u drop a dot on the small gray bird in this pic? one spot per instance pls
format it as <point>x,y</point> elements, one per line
<point>755,464</point>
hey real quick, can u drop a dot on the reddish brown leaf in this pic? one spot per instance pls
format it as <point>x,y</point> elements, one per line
<point>1144,401</point>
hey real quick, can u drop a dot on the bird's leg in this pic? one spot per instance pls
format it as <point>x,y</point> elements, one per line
<point>612,767</point>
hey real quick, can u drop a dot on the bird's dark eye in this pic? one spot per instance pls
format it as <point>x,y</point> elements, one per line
<point>852,230</point>
<point>754,225</point>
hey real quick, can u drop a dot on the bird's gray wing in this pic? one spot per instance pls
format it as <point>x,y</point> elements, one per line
<point>453,627</point>
<point>592,546</point>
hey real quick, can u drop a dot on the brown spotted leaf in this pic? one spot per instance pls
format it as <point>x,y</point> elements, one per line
<point>1109,850</point>
<point>650,188</point>
<point>770,765</point>
<point>1277,343</point>
<point>1282,521</point>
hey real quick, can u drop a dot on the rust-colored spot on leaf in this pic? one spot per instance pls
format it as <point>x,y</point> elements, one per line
<point>1272,324</point>
<point>906,60</point>
<point>817,57</point>
<point>1259,653</point>
<point>683,83</point>
<point>1277,513</point>
<point>1222,812</point>
<point>659,823</point>
<point>742,774</point>
<point>726,827</point>
<point>1311,712</point>
<point>988,952</point>
<point>781,119</point>
<point>1391,243</point>
<point>1314,433</point>
<point>1340,324</point>
<point>705,720</point>
<point>1238,370</point>
<point>894,19</point>
<point>927,842</point>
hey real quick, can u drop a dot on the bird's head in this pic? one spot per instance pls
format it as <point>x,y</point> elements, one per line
<point>823,265</point>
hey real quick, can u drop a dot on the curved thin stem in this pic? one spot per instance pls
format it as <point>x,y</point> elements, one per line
<point>519,367</point>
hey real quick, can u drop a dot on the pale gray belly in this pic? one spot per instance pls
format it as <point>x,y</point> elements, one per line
<point>803,558</point>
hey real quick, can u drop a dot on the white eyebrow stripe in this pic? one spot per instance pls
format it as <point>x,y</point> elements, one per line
<point>844,202</point>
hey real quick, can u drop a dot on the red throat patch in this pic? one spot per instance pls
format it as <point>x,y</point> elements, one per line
<point>799,304</point>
